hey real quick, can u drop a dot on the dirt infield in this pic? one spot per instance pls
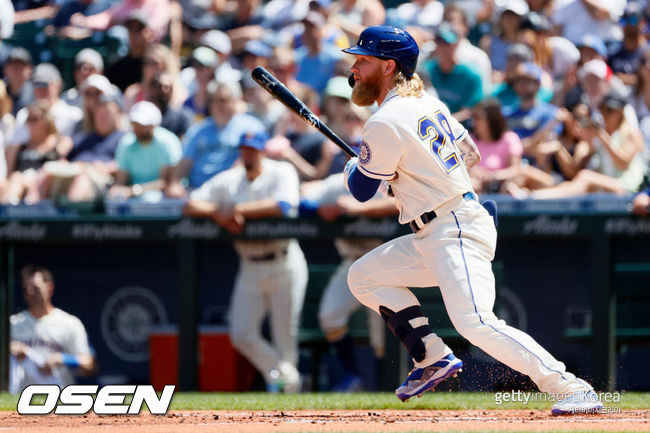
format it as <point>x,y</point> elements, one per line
<point>328,421</point>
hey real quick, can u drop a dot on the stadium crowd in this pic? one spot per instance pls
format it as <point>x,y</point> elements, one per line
<point>556,93</point>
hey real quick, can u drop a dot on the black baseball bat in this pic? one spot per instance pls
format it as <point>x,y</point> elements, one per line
<point>280,92</point>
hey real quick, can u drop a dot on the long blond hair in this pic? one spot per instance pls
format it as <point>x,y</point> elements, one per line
<point>406,87</point>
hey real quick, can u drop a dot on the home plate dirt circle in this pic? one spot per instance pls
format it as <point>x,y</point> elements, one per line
<point>328,421</point>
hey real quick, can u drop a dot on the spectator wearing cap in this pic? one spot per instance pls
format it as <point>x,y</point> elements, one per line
<point>283,65</point>
<point>157,59</point>
<point>555,54</point>
<point>205,63</point>
<point>210,146</point>
<point>591,47</point>
<point>146,155</point>
<point>156,13</point>
<point>466,53</point>
<point>576,18</point>
<point>17,70</point>
<point>127,70</point>
<point>86,63</point>
<point>504,91</point>
<point>261,105</point>
<point>617,165</point>
<point>531,115</point>
<point>255,53</point>
<point>90,165</point>
<point>161,90</point>
<point>627,60</point>
<point>316,60</point>
<point>459,86</point>
<point>506,33</point>
<point>92,89</point>
<point>47,83</point>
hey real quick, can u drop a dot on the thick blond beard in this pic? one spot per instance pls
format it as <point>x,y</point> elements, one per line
<point>365,94</point>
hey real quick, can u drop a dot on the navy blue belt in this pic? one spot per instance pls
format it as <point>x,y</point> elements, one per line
<point>429,216</point>
<point>268,257</point>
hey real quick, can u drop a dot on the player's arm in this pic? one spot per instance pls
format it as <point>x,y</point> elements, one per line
<point>362,187</point>
<point>469,152</point>
<point>264,208</point>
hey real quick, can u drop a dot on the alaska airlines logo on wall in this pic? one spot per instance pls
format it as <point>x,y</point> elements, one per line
<point>127,320</point>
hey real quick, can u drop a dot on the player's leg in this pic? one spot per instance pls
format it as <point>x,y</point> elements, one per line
<point>462,266</point>
<point>288,283</point>
<point>379,280</point>
<point>336,306</point>
<point>247,311</point>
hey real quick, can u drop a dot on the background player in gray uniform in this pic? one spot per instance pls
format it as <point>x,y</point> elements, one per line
<point>48,345</point>
<point>272,275</point>
<point>414,143</point>
<point>331,200</point>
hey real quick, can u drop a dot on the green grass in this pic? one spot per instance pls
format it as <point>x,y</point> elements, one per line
<point>361,401</point>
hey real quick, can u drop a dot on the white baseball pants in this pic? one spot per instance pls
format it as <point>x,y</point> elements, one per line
<point>278,288</point>
<point>454,252</point>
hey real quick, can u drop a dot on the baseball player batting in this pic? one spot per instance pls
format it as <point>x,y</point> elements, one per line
<point>414,144</point>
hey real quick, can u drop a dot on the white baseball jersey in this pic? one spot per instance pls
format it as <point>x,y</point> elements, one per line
<point>55,332</point>
<point>278,180</point>
<point>415,139</point>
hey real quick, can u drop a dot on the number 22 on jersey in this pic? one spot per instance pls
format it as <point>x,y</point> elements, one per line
<point>438,131</point>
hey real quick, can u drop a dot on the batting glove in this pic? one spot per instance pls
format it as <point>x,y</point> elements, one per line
<point>347,170</point>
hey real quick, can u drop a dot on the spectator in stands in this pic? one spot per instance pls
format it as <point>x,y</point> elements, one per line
<point>500,149</point>
<point>161,89</point>
<point>255,53</point>
<point>127,70</point>
<point>146,155</point>
<point>210,146</point>
<point>355,15</point>
<point>627,60</point>
<point>261,104</point>
<point>518,54</point>
<point>47,345</point>
<point>86,63</point>
<point>272,276</point>
<point>506,33</point>
<point>91,90</point>
<point>158,58</point>
<point>17,71</point>
<point>90,164</point>
<point>47,84</point>
<point>244,24</point>
<point>283,65</point>
<point>459,86</point>
<point>62,24</point>
<point>33,10</point>
<point>424,14</point>
<point>532,115</point>
<point>205,63</point>
<point>555,54</point>
<point>466,53</point>
<point>316,60</point>
<point>6,128</point>
<point>617,166</point>
<point>640,97</point>
<point>575,18</point>
<point>155,12</point>
<point>44,144</point>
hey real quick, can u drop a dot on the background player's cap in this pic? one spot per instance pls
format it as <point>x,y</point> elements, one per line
<point>256,140</point>
<point>388,42</point>
<point>145,113</point>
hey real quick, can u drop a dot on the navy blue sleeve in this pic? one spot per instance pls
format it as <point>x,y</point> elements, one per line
<point>362,187</point>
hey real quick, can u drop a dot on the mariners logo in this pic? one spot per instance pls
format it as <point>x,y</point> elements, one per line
<point>127,320</point>
<point>364,153</point>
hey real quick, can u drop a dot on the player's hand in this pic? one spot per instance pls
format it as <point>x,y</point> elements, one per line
<point>51,363</point>
<point>641,204</point>
<point>232,221</point>
<point>329,212</point>
<point>175,190</point>
<point>18,349</point>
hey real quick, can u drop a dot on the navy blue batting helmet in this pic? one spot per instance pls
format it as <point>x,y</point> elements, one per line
<point>388,42</point>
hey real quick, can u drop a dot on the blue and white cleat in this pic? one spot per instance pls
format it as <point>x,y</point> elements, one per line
<point>581,402</point>
<point>425,379</point>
